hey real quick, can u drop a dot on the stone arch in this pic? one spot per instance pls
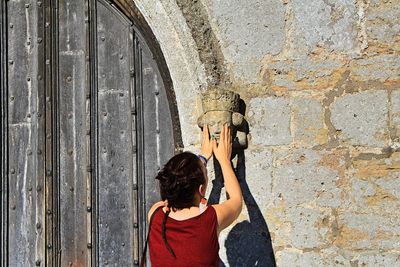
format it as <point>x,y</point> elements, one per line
<point>170,37</point>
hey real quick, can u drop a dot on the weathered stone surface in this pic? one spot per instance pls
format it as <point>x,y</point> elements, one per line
<point>303,176</point>
<point>366,231</point>
<point>335,257</point>
<point>361,117</point>
<point>304,73</point>
<point>390,189</point>
<point>295,258</point>
<point>376,259</point>
<point>395,100</point>
<point>270,121</point>
<point>259,175</point>
<point>310,228</point>
<point>375,184</point>
<point>331,24</point>
<point>368,166</point>
<point>383,68</point>
<point>374,195</point>
<point>248,30</point>
<point>308,118</point>
<point>383,25</point>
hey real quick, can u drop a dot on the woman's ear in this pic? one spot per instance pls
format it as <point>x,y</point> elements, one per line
<point>202,190</point>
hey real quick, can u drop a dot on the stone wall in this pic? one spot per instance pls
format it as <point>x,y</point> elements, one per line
<point>321,81</point>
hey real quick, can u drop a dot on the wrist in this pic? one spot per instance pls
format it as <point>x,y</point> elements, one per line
<point>203,159</point>
<point>225,163</point>
<point>206,155</point>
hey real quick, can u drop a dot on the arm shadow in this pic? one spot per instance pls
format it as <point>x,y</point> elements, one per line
<point>249,242</point>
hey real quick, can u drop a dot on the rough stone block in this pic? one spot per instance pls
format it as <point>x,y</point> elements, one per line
<point>390,189</point>
<point>395,99</point>
<point>308,120</point>
<point>382,23</point>
<point>375,184</point>
<point>376,259</point>
<point>383,68</point>
<point>333,256</point>
<point>372,167</point>
<point>331,24</point>
<point>366,231</point>
<point>375,196</point>
<point>290,258</point>
<point>304,176</point>
<point>304,73</point>
<point>258,175</point>
<point>248,30</point>
<point>362,117</point>
<point>270,121</point>
<point>310,228</point>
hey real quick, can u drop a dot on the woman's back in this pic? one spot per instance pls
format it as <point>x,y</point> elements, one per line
<point>194,240</point>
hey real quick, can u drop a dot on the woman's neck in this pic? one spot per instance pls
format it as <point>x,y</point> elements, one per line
<point>183,214</point>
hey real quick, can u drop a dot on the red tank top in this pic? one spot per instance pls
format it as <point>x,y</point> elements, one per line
<point>194,240</point>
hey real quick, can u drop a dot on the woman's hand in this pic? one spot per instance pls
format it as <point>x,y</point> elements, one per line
<point>206,145</point>
<point>223,150</point>
<point>229,210</point>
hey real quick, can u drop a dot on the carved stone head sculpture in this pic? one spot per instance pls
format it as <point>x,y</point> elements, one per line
<point>219,107</point>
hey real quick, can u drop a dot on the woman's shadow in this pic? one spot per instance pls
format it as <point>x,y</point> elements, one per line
<point>249,242</point>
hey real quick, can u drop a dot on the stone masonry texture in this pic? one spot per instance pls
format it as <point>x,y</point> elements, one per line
<point>320,80</point>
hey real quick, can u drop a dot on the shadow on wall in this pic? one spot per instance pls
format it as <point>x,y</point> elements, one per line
<point>249,242</point>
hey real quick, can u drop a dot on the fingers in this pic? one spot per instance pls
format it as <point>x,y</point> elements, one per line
<point>226,133</point>
<point>229,136</point>
<point>205,131</point>
<point>214,145</point>
<point>222,134</point>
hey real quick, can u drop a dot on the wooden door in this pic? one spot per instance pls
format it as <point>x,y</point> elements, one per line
<point>86,122</point>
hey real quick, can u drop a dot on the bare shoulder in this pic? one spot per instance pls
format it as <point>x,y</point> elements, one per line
<point>227,212</point>
<point>218,210</point>
<point>153,208</point>
<point>215,206</point>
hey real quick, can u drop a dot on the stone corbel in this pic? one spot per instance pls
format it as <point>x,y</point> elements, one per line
<point>224,106</point>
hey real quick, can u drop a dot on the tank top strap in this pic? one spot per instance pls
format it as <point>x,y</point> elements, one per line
<point>211,214</point>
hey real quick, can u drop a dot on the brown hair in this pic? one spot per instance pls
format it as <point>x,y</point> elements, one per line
<point>179,180</point>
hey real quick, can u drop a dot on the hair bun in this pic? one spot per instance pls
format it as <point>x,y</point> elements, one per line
<point>162,175</point>
<point>180,178</point>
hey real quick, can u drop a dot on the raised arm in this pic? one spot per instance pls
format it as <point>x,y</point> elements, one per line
<point>230,209</point>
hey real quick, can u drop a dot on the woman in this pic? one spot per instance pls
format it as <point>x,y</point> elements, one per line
<point>183,230</point>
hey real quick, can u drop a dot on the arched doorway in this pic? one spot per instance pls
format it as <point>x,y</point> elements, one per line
<point>88,116</point>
